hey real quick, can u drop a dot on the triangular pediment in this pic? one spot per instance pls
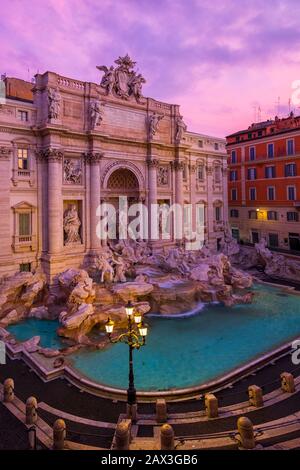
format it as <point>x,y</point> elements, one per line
<point>23,205</point>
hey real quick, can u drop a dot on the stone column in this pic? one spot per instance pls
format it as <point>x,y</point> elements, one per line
<point>152,193</point>
<point>210,209</point>
<point>225,196</point>
<point>193,195</point>
<point>55,216</point>
<point>5,232</point>
<point>93,159</point>
<point>178,166</point>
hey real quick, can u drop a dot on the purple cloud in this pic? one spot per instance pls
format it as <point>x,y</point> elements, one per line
<point>213,58</point>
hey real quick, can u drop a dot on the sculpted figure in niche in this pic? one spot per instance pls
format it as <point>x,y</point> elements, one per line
<point>181,127</point>
<point>96,113</point>
<point>53,103</point>
<point>154,121</point>
<point>72,225</point>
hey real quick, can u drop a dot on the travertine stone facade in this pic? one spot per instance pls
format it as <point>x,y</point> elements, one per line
<point>76,144</point>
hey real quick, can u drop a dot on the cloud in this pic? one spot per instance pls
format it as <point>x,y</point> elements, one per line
<point>213,58</point>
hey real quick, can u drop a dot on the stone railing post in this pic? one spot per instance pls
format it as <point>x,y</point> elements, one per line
<point>246,434</point>
<point>31,410</point>
<point>123,434</point>
<point>161,410</point>
<point>8,390</point>
<point>167,437</point>
<point>59,434</point>
<point>287,382</point>
<point>211,406</point>
<point>255,396</point>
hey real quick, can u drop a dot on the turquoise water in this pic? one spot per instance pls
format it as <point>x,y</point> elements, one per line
<point>182,352</point>
<point>46,329</point>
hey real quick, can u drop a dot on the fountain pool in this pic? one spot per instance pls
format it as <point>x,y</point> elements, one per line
<point>188,351</point>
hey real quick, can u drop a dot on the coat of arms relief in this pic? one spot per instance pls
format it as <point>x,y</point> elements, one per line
<point>123,81</point>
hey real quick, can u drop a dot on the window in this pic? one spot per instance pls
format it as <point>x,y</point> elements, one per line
<point>273,240</point>
<point>290,169</point>
<point>200,143</point>
<point>249,135</point>
<point>252,214</point>
<point>23,115</point>
<point>270,150</point>
<point>22,159</point>
<point>251,173</point>
<point>290,147</point>
<point>292,216</point>
<point>255,237</point>
<point>234,194</point>
<point>233,175</point>
<point>235,233</point>
<point>200,172</point>
<point>291,193</point>
<point>234,213</point>
<point>271,193</point>
<point>216,145</point>
<point>272,215</point>
<point>252,194</point>
<point>252,153</point>
<point>217,173</point>
<point>24,224</point>
<point>270,172</point>
<point>218,213</point>
<point>184,173</point>
<point>233,156</point>
<point>25,267</point>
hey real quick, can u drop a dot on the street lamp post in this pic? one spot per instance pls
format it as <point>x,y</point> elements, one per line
<point>135,337</point>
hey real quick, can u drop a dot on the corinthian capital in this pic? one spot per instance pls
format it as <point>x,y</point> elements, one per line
<point>92,158</point>
<point>152,163</point>
<point>178,166</point>
<point>5,153</point>
<point>50,155</point>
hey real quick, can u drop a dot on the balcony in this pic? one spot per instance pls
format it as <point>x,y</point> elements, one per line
<point>23,243</point>
<point>22,175</point>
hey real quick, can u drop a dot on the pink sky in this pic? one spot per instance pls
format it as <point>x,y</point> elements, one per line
<point>217,59</point>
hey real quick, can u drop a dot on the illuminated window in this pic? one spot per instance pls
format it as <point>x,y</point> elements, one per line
<point>22,159</point>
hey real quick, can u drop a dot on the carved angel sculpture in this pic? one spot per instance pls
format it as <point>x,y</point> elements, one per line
<point>108,79</point>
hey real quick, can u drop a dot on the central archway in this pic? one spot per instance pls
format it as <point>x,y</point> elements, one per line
<point>122,182</point>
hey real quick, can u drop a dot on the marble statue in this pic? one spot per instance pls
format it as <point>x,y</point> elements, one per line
<point>108,79</point>
<point>103,264</point>
<point>96,113</point>
<point>72,225</point>
<point>72,171</point>
<point>120,267</point>
<point>135,86</point>
<point>54,99</point>
<point>181,127</point>
<point>153,123</point>
<point>229,245</point>
<point>122,81</point>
